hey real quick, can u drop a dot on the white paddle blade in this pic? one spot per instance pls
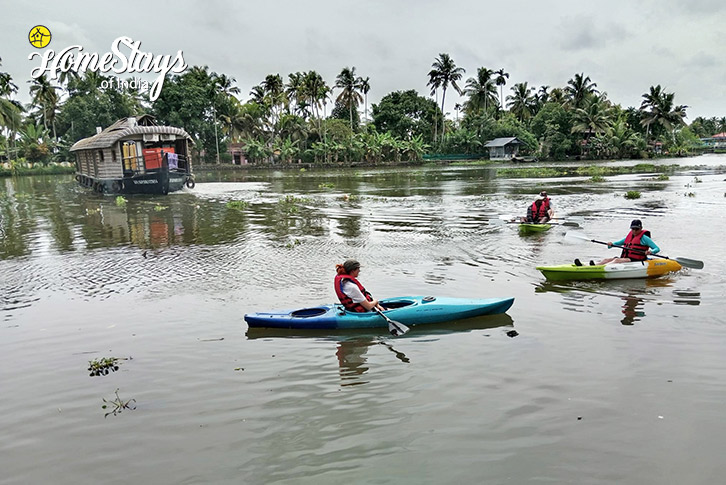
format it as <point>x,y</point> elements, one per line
<point>689,263</point>
<point>575,236</point>
<point>397,328</point>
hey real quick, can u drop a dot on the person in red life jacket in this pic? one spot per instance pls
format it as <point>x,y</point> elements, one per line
<point>541,210</point>
<point>638,245</point>
<point>350,291</point>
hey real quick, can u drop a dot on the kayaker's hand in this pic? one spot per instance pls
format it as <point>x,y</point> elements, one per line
<point>648,251</point>
<point>610,244</point>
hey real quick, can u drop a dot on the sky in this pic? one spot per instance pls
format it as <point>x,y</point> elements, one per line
<point>624,46</point>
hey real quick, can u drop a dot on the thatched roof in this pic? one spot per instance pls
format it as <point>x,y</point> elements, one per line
<point>125,127</point>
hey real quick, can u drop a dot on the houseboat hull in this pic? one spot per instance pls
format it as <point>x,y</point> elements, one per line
<point>148,183</point>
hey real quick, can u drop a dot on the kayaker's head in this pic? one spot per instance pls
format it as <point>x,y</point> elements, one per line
<point>543,195</point>
<point>636,225</point>
<point>348,266</point>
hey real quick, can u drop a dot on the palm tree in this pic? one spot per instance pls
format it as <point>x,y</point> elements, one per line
<point>45,98</point>
<point>435,83</point>
<point>578,88</point>
<point>481,90</point>
<point>594,118</point>
<point>657,107</point>
<point>350,85</point>
<point>501,80</point>
<point>365,86</point>
<point>448,74</point>
<point>521,101</point>
<point>557,95</point>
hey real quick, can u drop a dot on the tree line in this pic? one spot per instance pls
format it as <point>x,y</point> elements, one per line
<point>304,118</point>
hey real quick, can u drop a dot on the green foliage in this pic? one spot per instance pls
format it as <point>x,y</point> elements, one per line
<point>89,106</point>
<point>632,194</point>
<point>194,101</point>
<point>121,201</point>
<point>159,207</point>
<point>597,178</point>
<point>326,185</point>
<point>237,204</point>
<point>405,114</point>
<point>102,366</point>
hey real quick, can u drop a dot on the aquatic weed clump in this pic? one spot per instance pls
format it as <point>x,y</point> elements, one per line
<point>632,194</point>
<point>121,201</point>
<point>118,405</point>
<point>102,365</point>
<point>237,204</point>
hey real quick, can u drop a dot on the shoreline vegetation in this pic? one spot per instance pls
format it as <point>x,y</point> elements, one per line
<point>306,121</point>
<point>549,170</point>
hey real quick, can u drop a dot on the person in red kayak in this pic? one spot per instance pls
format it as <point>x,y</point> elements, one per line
<point>350,291</point>
<point>637,246</point>
<point>541,210</point>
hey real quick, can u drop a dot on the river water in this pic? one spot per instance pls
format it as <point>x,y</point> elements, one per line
<point>604,382</point>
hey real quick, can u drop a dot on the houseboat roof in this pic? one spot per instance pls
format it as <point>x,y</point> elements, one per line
<point>500,142</point>
<point>125,127</point>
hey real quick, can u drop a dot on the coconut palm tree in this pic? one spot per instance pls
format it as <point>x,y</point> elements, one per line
<point>365,87</point>
<point>481,90</point>
<point>435,83</point>
<point>594,118</point>
<point>350,87</point>
<point>500,81</point>
<point>521,101</point>
<point>448,74</point>
<point>578,88</point>
<point>44,96</point>
<point>657,108</point>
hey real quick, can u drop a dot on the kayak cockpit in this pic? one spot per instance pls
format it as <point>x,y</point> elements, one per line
<point>309,312</point>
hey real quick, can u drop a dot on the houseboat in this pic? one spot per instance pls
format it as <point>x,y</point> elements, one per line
<point>135,156</point>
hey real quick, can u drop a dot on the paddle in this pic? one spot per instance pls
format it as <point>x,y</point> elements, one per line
<point>688,263</point>
<point>500,222</point>
<point>396,328</point>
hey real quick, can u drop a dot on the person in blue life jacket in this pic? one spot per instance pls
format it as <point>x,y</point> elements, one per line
<point>350,291</point>
<point>637,246</point>
<point>541,210</point>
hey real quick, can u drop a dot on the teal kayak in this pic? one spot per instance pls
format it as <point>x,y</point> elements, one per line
<point>408,310</point>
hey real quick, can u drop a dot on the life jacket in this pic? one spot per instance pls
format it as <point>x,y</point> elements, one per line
<point>535,214</point>
<point>345,299</point>
<point>633,242</point>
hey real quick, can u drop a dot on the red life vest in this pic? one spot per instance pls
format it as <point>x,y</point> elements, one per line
<point>345,299</point>
<point>542,212</point>
<point>633,242</point>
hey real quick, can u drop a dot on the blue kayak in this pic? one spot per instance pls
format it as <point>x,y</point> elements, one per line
<point>408,310</point>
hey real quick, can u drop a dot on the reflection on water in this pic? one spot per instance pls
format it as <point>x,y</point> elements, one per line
<point>353,345</point>
<point>578,295</point>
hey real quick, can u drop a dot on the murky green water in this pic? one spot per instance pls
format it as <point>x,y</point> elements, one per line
<point>606,382</point>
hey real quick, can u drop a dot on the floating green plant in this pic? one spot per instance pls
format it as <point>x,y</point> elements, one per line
<point>292,244</point>
<point>118,405</point>
<point>102,365</point>
<point>597,178</point>
<point>326,185</point>
<point>159,208</point>
<point>121,201</point>
<point>238,204</point>
<point>632,194</point>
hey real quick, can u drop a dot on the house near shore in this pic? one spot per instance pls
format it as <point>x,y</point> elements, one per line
<point>717,141</point>
<point>504,148</point>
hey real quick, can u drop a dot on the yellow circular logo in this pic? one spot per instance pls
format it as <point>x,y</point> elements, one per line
<point>39,36</point>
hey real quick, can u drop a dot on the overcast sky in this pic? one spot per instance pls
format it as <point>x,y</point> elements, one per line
<point>624,46</point>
